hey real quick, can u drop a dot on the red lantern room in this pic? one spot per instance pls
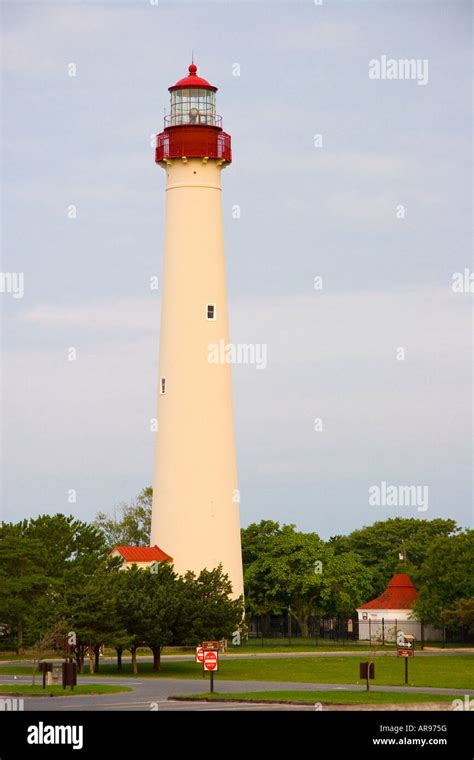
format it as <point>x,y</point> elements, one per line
<point>192,129</point>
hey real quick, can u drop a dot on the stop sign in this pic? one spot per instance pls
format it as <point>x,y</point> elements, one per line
<point>210,661</point>
<point>199,654</point>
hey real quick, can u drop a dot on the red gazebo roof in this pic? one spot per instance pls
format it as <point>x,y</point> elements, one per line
<point>400,594</point>
<point>143,554</point>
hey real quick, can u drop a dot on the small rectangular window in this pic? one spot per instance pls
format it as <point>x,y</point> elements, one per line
<point>210,311</point>
<point>162,385</point>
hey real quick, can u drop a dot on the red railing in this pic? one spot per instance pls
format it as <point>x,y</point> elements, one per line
<point>193,142</point>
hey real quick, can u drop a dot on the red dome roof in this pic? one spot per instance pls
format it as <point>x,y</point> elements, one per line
<point>192,80</point>
<point>400,594</point>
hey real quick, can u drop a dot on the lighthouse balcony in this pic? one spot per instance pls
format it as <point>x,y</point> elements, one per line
<point>194,141</point>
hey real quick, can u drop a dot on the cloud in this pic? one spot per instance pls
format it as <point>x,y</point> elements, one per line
<point>320,326</point>
<point>138,315</point>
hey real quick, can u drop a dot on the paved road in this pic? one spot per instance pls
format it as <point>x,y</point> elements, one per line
<point>151,694</point>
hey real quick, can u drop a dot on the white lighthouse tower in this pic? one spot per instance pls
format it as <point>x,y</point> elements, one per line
<point>195,498</point>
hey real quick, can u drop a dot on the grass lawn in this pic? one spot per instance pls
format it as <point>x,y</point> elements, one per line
<point>252,646</point>
<point>301,645</point>
<point>58,691</point>
<point>324,697</point>
<point>447,671</point>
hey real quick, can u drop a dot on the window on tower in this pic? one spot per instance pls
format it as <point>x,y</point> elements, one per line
<point>210,311</point>
<point>163,385</point>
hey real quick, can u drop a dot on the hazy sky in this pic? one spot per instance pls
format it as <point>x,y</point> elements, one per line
<point>306,210</point>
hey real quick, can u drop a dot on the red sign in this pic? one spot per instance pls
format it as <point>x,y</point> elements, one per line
<point>211,661</point>
<point>405,653</point>
<point>199,654</point>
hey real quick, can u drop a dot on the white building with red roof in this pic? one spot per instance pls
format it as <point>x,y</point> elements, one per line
<point>141,556</point>
<point>380,618</point>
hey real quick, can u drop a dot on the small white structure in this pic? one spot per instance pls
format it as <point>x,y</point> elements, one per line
<point>380,618</point>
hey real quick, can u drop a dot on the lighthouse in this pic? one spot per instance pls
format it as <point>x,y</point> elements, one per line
<point>195,516</point>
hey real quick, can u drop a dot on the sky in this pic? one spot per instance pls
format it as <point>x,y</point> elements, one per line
<point>362,182</point>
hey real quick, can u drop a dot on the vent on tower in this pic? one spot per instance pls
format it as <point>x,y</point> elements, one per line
<point>163,385</point>
<point>211,311</point>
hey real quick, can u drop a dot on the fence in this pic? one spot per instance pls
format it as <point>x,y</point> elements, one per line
<point>348,629</point>
<point>283,629</point>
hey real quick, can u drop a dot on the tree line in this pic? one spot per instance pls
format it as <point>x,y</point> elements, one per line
<point>56,571</point>
<point>289,570</point>
<point>56,574</point>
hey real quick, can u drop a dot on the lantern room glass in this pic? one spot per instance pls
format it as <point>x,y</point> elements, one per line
<point>193,106</point>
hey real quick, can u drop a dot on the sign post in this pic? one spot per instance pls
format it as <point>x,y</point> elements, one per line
<point>200,657</point>
<point>45,667</point>
<point>406,649</point>
<point>367,671</point>
<point>211,664</point>
<point>200,654</point>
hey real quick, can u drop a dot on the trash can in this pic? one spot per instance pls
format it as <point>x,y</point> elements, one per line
<point>69,674</point>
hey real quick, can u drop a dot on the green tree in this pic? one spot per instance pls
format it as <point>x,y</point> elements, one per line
<point>394,545</point>
<point>71,544</point>
<point>136,609</point>
<point>298,572</point>
<point>23,581</point>
<point>446,576</point>
<point>206,609</point>
<point>91,611</point>
<point>460,616</point>
<point>257,538</point>
<point>286,573</point>
<point>162,609</point>
<point>131,523</point>
<point>347,583</point>
<point>39,558</point>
